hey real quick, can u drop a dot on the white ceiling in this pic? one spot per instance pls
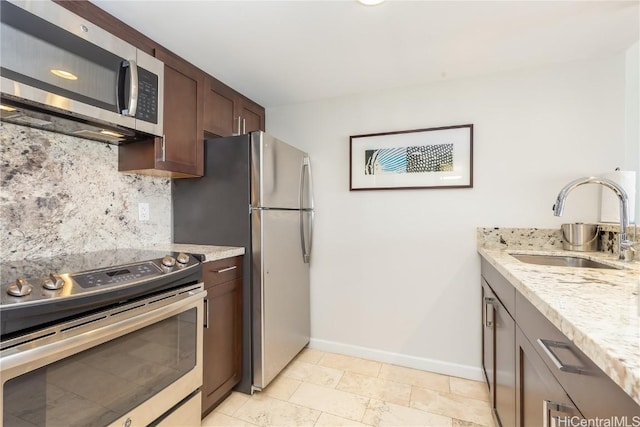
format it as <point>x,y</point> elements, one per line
<point>285,52</point>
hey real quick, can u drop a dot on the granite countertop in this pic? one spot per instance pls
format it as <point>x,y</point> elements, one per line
<point>597,309</point>
<point>210,252</point>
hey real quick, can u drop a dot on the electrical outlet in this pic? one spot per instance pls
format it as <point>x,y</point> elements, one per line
<point>143,211</point>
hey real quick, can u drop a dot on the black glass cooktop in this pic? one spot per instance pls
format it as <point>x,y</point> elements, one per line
<point>74,263</point>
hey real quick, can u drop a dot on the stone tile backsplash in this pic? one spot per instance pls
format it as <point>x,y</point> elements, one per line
<point>60,194</point>
<point>534,238</point>
<point>544,238</point>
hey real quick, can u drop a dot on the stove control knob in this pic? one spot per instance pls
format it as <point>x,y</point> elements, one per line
<point>20,289</point>
<point>168,261</point>
<point>53,282</point>
<point>182,258</point>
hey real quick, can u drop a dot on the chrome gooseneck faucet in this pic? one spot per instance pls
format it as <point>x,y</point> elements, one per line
<point>625,246</point>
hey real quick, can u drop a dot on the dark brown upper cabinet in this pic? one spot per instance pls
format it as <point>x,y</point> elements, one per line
<point>179,153</point>
<point>227,112</point>
<point>195,104</point>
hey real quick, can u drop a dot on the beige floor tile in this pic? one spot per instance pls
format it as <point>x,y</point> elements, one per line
<point>388,414</point>
<point>451,405</point>
<point>267,411</point>
<point>282,387</point>
<point>310,373</point>
<point>328,420</point>
<point>324,389</point>
<point>310,355</point>
<point>468,388</point>
<point>462,423</point>
<point>376,388</point>
<point>352,364</point>
<point>231,404</point>
<point>415,377</point>
<point>335,402</point>
<point>218,419</point>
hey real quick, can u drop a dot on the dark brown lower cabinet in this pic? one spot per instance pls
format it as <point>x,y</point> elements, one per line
<point>222,351</point>
<point>499,356</point>
<point>589,388</point>
<point>537,377</point>
<point>540,400</point>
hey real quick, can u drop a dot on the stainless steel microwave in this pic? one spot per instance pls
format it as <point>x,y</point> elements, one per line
<point>62,73</point>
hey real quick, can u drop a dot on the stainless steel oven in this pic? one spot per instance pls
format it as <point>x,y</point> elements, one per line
<point>129,361</point>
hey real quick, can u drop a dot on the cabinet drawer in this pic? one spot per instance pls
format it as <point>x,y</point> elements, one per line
<point>539,396</point>
<point>504,290</point>
<point>222,270</point>
<point>593,392</point>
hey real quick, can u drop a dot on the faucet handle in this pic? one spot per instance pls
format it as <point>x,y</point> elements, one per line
<point>628,250</point>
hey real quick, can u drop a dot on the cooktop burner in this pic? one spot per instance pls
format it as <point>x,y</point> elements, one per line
<point>37,292</point>
<point>44,279</point>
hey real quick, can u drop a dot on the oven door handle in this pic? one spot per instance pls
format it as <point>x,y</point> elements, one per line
<point>206,313</point>
<point>17,361</point>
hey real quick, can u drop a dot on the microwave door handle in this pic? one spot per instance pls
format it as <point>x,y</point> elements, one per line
<point>122,73</point>
<point>128,108</point>
<point>133,89</point>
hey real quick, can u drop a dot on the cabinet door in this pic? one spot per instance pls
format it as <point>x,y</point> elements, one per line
<point>505,367</point>
<point>181,149</point>
<point>222,353</point>
<point>578,375</point>
<point>227,113</point>
<point>219,109</point>
<point>498,356</point>
<point>252,115</point>
<point>541,401</point>
<point>489,339</point>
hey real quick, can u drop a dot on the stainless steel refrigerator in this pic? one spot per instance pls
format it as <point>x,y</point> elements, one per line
<point>256,192</point>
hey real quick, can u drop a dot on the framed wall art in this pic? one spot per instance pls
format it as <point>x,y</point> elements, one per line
<point>439,157</point>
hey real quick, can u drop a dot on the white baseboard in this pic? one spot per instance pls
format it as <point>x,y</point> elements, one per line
<point>431,365</point>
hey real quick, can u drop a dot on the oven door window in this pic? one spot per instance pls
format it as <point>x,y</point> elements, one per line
<point>100,385</point>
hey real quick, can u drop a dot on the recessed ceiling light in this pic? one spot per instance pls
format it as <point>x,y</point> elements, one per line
<point>370,2</point>
<point>64,74</point>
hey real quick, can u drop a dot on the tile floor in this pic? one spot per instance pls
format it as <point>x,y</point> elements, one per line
<point>327,389</point>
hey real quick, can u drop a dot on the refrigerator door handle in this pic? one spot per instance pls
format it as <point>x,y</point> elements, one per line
<point>306,254</point>
<point>306,174</point>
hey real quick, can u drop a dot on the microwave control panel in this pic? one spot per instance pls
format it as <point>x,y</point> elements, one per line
<point>147,96</point>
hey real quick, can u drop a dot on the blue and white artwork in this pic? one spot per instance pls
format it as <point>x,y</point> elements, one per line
<point>426,158</point>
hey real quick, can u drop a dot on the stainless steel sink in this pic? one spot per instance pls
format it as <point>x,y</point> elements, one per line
<point>561,261</point>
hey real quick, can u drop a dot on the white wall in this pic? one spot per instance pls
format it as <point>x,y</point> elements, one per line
<point>395,274</point>
<point>632,116</point>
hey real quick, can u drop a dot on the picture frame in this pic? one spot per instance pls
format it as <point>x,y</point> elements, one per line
<point>440,157</point>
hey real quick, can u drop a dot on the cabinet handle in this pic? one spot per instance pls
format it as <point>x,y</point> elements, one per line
<point>224,270</point>
<point>164,151</point>
<point>206,313</point>
<point>244,126</point>
<point>489,319</point>
<point>548,406</point>
<point>547,346</point>
<point>239,126</point>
